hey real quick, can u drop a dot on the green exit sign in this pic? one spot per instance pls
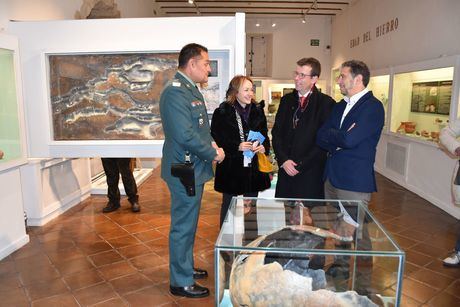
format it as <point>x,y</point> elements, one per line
<point>314,42</point>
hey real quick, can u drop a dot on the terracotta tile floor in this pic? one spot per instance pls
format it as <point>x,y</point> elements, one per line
<point>86,258</point>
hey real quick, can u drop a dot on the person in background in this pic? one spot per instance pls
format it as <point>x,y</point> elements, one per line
<point>187,135</point>
<point>113,167</point>
<point>301,113</point>
<point>230,126</point>
<point>448,138</point>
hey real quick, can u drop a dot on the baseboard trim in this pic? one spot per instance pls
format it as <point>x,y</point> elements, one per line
<point>14,246</point>
<point>54,210</point>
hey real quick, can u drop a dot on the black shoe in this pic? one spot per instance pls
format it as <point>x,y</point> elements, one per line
<point>110,207</point>
<point>135,207</point>
<point>193,291</point>
<point>199,273</point>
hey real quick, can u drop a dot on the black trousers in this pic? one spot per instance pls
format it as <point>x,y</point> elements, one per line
<point>113,167</point>
<point>226,199</point>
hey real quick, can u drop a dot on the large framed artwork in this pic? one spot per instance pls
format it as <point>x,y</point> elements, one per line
<point>115,96</point>
<point>102,96</point>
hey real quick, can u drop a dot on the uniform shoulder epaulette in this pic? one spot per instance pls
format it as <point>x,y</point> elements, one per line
<point>175,82</point>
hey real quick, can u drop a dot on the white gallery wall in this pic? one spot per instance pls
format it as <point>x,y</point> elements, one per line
<point>427,29</point>
<point>425,37</point>
<point>291,42</point>
<point>33,10</point>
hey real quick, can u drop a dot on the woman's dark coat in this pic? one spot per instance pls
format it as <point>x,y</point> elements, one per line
<point>231,176</point>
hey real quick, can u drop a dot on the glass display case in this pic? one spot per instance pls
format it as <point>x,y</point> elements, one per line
<point>380,85</point>
<point>335,92</point>
<point>11,126</point>
<point>288,252</point>
<point>421,102</point>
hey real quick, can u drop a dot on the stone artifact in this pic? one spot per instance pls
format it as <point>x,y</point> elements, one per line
<point>288,279</point>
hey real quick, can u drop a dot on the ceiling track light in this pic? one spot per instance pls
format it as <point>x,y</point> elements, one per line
<point>193,2</point>
<point>304,13</point>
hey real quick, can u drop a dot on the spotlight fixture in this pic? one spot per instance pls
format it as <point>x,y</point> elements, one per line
<point>273,25</point>
<point>304,13</point>
<point>193,2</point>
<point>257,24</point>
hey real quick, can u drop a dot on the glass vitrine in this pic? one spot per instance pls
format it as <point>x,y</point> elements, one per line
<point>335,89</point>
<point>12,137</point>
<point>380,85</point>
<point>421,102</point>
<point>296,252</point>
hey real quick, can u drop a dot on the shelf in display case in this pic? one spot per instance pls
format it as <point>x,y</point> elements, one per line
<point>297,251</point>
<point>12,137</point>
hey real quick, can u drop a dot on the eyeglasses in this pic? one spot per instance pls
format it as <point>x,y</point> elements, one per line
<point>300,75</point>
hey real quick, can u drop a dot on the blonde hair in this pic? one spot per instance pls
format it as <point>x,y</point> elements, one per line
<point>235,86</point>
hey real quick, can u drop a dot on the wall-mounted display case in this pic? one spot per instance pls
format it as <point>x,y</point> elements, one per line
<point>335,92</point>
<point>380,86</point>
<point>304,253</point>
<point>12,139</point>
<point>421,102</point>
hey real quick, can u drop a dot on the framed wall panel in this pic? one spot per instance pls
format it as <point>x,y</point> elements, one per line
<point>107,96</point>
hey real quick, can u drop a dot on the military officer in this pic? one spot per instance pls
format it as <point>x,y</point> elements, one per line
<point>186,128</point>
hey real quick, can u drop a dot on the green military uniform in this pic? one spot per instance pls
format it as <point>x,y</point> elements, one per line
<point>186,128</point>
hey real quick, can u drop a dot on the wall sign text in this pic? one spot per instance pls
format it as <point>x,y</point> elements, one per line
<point>380,30</point>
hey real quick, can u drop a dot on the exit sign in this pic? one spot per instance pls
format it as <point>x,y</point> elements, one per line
<point>314,42</point>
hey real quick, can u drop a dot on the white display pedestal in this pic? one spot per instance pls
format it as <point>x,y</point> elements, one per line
<point>52,186</point>
<point>12,228</point>
<point>99,182</point>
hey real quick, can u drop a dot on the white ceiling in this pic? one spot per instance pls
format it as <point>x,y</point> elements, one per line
<point>257,8</point>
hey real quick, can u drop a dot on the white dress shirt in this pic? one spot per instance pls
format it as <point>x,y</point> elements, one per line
<point>351,102</point>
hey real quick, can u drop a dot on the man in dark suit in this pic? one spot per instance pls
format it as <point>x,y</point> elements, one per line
<point>350,136</point>
<point>300,115</point>
<point>186,128</point>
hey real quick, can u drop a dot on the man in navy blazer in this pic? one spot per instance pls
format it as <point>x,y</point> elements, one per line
<point>350,136</point>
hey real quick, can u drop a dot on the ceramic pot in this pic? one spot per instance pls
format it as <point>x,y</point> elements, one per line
<point>409,127</point>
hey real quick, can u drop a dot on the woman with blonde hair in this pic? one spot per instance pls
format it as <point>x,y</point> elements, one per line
<point>230,126</point>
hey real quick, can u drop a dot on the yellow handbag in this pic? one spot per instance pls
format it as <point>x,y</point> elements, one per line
<point>264,164</point>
